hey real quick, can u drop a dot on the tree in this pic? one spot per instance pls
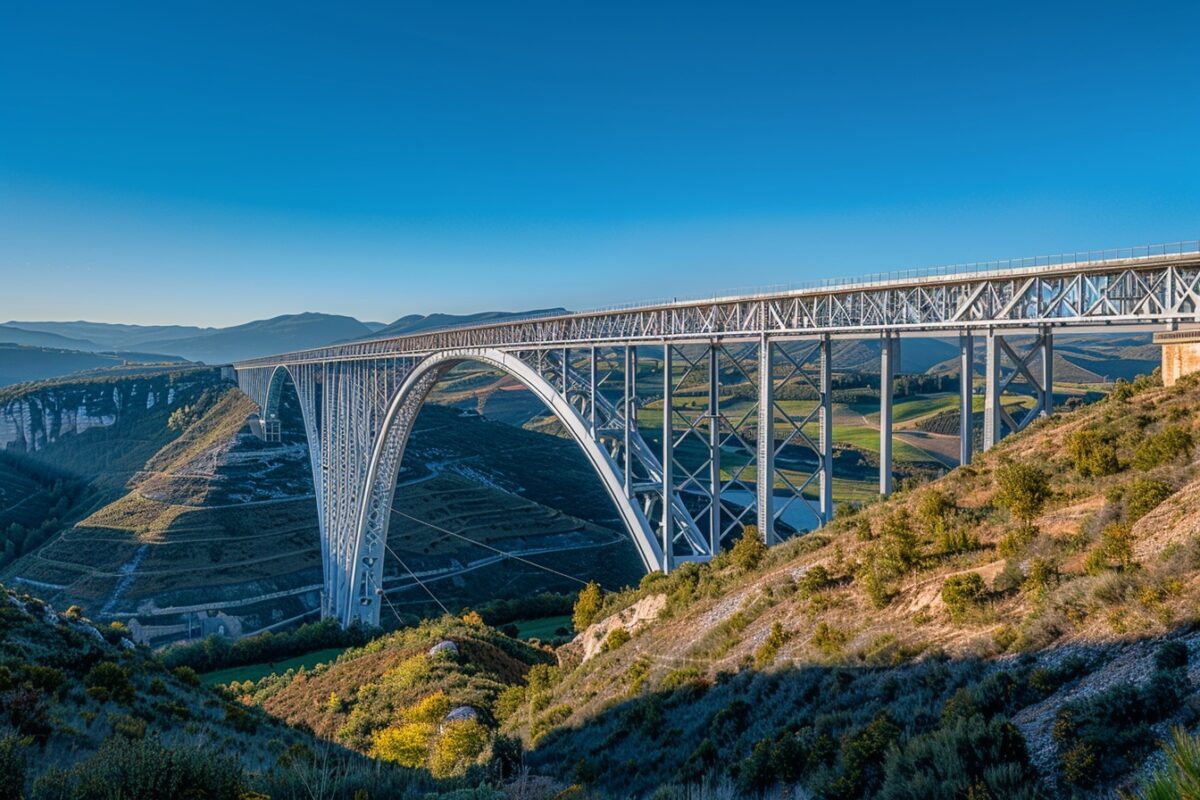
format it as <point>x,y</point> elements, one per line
<point>963,593</point>
<point>748,551</point>
<point>1093,453</point>
<point>932,510</point>
<point>460,744</point>
<point>587,606</point>
<point>406,744</point>
<point>1023,490</point>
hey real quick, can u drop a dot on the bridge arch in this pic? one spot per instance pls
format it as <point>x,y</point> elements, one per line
<point>310,416</point>
<point>366,574</point>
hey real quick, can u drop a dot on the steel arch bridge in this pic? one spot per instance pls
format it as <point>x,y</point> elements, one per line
<point>359,400</point>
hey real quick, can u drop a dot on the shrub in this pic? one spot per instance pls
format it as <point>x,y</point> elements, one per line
<point>1015,541</point>
<point>616,637</point>
<point>187,675</point>
<point>1023,489</point>
<point>1163,448</point>
<point>1010,578</point>
<point>146,768</point>
<point>963,593</point>
<point>636,676</point>
<point>932,510</point>
<point>1180,778</point>
<point>814,579</point>
<point>874,583</point>
<point>459,745</point>
<point>406,744</point>
<point>1144,495</point>
<point>1043,575</point>
<point>901,549</point>
<point>1171,655</point>
<point>1092,453</point>
<point>955,539</point>
<point>965,757</point>
<point>431,708</point>
<point>749,550</point>
<point>1103,735</point>
<point>829,640</point>
<point>765,655</point>
<point>680,678</point>
<point>13,765</point>
<point>587,606</point>
<point>1116,542</point>
<point>107,680</point>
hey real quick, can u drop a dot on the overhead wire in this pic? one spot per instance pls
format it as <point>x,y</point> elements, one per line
<point>420,582</point>
<point>486,546</point>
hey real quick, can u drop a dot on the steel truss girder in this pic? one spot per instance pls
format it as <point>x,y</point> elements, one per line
<point>1006,364</point>
<point>1145,290</point>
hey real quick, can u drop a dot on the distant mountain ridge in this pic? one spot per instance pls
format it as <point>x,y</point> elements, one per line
<point>21,363</point>
<point>264,337</point>
<point>12,334</point>
<point>416,323</point>
<point>109,335</point>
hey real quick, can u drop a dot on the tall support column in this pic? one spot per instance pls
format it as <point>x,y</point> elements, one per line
<point>826,443</point>
<point>592,390</point>
<point>966,396</point>
<point>566,371</point>
<point>766,441</point>
<point>668,460</point>
<point>630,411</point>
<point>887,375</point>
<point>991,401</point>
<point>714,449</point>
<point>1046,345</point>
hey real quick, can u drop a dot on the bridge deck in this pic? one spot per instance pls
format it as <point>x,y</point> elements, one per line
<point>1153,285</point>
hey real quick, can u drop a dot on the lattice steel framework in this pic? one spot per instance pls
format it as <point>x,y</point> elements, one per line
<point>641,391</point>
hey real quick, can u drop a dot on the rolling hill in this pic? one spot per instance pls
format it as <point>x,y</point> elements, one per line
<point>109,335</point>
<point>10,334</point>
<point>264,337</point>
<point>22,363</point>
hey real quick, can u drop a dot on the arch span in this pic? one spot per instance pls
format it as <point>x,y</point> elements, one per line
<point>310,417</point>
<point>366,573</point>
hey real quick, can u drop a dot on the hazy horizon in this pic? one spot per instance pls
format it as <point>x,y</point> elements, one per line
<point>201,166</point>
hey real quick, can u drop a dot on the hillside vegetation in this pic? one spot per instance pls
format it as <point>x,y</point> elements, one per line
<point>1020,628</point>
<point>428,697</point>
<point>87,715</point>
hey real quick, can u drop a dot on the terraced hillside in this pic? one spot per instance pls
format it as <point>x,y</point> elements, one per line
<point>215,531</point>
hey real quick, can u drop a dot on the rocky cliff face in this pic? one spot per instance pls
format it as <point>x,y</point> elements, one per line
<point>31,420</point>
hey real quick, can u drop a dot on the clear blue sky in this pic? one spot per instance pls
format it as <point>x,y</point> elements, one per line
<point>211,163</point>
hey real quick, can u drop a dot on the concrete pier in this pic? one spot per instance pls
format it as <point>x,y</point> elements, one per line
<point>1180,354</point>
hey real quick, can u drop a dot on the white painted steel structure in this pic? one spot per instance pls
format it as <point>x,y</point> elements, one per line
<point>682,496</point>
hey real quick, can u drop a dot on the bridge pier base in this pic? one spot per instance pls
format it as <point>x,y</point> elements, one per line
<point>1180,354</point>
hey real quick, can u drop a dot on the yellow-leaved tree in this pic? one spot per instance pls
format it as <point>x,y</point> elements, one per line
<point>406,744</point>
<point>459,745</point>
<point>587,607</point>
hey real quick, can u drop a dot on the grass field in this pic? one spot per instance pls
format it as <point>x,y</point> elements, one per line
<point>253,672</point>
<point>543,628</point>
